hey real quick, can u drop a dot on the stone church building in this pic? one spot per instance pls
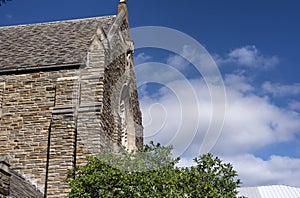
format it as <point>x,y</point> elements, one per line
<point>67,91</point>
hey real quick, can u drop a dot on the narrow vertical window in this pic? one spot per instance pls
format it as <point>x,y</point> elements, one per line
<point>126,121</point>
<point>1,97</point>
<point>123,113</point>
<point>123,124</point>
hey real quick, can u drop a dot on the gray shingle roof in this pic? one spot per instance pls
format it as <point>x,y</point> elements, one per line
<point>47,44</point>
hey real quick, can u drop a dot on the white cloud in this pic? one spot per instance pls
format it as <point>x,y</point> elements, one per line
<point>255,171</point>
<point>294,105</point>
<point>203,61</point>
<point>238,83</point>
<point>251,126</point>
<point>180,113</point>
<point>9,16</point>
<point>252,122</point>
<point>178,62</point>
<point>248,56</point>
<point>141,58</point>
<point>172,118</point>
<point>277,89</point>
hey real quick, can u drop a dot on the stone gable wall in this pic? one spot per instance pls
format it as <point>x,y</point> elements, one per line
<point>1,96</point>
<point>52,120</point>
<point>27,104</point>
<point>36,105</point>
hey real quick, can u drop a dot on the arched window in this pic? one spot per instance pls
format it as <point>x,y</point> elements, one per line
<point>1,97</point>
<point>126,121</point>
<point>123,124</point>
<point>124,114</point>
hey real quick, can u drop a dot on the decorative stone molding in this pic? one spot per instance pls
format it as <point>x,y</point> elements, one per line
<point>75,103</point>
<point>2,85</point>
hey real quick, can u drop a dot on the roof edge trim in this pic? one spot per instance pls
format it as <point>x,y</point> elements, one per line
<point>40,69</point>
<point>64,20</point>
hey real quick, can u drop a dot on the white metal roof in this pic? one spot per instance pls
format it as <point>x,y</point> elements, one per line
<point>274,191</point>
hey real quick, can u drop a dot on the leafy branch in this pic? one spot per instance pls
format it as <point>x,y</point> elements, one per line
<point>152,172</point>
<point>4,2</point>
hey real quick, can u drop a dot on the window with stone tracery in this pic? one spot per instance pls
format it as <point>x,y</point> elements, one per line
<point>1,97</point>
<point>127,127</point>
<point>123,123</point>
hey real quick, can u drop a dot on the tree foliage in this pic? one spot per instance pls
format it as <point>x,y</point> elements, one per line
<point>4,2</point>
<point>152,172</point>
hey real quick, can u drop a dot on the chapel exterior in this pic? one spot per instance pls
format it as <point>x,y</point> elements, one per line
<point>67,91</point>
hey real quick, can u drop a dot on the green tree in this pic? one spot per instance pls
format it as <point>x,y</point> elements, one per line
<point>152,172</point>
<point>3,2</point>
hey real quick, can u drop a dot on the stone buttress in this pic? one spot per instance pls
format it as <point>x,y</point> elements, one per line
<point>67,91</point>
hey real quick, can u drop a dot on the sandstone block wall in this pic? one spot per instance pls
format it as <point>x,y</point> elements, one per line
<point>27,104</point>
<point>52,119</point>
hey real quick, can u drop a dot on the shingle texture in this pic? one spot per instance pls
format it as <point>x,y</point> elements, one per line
<point>47,44</point>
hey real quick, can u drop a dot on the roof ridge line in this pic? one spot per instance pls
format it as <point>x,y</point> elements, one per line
<point>50,22</point>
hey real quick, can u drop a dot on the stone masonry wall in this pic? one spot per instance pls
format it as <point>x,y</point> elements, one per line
<point>110,102</point>
<point>1,97</point>
<point>117,75</point>
<point>52,120</point>
<point>62,136</point>
<point>91,138</point>
<point>27,104</point>
<point>53,109</point>
<point>4,178</point>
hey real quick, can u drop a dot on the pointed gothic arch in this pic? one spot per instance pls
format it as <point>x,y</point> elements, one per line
<point>127,129</point>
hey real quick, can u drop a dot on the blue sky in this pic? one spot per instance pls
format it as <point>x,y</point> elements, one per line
<point>256,47</point>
